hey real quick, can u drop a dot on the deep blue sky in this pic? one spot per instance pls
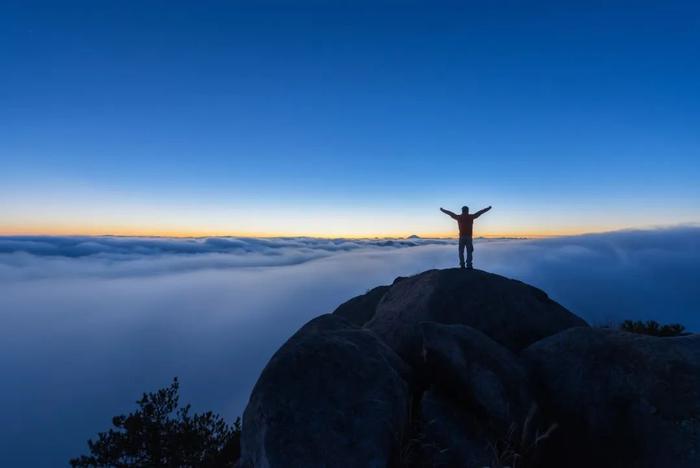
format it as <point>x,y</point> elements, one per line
<point>347,118</point>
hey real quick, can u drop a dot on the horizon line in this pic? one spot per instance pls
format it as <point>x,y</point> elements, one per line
<point>179,234</point>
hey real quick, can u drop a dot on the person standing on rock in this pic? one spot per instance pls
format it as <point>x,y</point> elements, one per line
<point>466,227</point>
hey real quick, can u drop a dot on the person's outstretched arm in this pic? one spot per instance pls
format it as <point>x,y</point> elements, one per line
<point>480,212</point>
<point>448,213</point>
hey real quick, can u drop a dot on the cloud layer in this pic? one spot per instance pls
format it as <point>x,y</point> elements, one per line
<point>110,256</point>
<point>89,323</point>
<point>127,247</point>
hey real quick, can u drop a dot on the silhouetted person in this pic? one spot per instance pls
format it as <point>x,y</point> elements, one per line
<point>466,227</point>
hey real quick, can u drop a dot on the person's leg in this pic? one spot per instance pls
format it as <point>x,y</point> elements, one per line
<point>470,249</point>
<point>461,252</point>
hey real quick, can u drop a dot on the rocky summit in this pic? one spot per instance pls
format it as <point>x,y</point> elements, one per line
<point>464,368</point>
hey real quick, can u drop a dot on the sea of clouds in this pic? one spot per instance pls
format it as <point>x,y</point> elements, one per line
<point>88,323</point>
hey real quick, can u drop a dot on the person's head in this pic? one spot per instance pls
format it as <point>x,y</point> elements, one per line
<point>465,210</point>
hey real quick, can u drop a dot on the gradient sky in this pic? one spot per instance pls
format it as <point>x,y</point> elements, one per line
<point>347,118</point>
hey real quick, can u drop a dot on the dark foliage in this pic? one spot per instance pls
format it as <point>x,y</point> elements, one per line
<point>651,327</point>
<point>161,434</point>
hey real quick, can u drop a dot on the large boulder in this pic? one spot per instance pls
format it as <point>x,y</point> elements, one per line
<point>621,399</point>
<point>333,395</point>
<point>472,369</point>
<point>510,312</point>
<point>360,309</point>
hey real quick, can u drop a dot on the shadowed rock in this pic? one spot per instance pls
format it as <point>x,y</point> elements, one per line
<point>333,395</point>
<point>477,372</point>
<point>510,312</point>
<point>450,434</point>
<point>621,399</point>
<point>360,310</point>
<point>485,352</point>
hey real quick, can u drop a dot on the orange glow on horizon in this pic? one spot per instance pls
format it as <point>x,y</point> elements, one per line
<point>190,233</point>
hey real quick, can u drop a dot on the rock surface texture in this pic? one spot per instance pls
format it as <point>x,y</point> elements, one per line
<point>470,369</point>
<point>360,310</point>
<point>334,395</point>
<point>510,312</point>
<point>634,399</point>
<point>468,366</point>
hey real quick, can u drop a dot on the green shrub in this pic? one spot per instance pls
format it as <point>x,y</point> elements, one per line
<point>160,434</point>
<point>651,327</point>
